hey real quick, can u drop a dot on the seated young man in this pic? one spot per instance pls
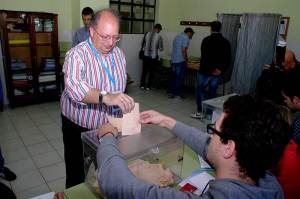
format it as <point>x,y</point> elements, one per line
<point>247,139</point>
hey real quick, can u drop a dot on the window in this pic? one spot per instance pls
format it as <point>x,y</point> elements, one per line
<point>137,16</point>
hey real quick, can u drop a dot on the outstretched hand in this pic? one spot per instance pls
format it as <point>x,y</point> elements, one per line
<point>153,117</point>
<point>125,102</point>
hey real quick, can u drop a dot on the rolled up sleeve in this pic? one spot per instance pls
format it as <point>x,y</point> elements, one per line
<point>75,77</point>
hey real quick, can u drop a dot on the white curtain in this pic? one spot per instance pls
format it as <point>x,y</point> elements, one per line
<point>255,48</point>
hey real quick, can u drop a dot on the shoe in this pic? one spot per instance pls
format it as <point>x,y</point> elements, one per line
<point>197,115</point>
<point>8,174</point>
<point>148,89</point>
<point>142,87</point>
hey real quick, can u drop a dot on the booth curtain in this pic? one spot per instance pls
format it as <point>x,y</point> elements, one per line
<point>255,48</point>
<point>230,29</point>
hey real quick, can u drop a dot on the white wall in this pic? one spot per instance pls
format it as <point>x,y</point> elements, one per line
<point>131,44</point>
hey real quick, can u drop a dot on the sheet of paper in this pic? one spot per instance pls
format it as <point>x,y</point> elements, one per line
<point>45,196</point>
<point>130,123</point>
<point>200,180</point>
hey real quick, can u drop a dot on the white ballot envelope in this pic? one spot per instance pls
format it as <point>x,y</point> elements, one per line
<point>129,124</point>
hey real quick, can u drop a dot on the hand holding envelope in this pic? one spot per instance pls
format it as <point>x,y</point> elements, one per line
<point>129,124</point>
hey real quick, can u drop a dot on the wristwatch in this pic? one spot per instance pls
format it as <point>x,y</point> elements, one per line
<point>101,95</point>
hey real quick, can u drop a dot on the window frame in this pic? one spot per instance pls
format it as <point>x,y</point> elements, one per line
<point>131,19</point>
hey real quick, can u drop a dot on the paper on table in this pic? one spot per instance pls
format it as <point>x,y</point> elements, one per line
<point>200,180</point>
<point>129,124</point>
<point>45,196</point>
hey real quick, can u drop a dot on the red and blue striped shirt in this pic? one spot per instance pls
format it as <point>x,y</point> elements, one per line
<point>83,71</point>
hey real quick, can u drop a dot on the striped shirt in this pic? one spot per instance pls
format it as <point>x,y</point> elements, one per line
<point>84,70</point>
<point>153,42</point>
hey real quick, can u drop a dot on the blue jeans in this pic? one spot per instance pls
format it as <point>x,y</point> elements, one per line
<point>202,82</point>
<point>178,74</point>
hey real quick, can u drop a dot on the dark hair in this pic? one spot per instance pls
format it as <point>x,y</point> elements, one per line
<point>216,26</point>
<point>190,30</point>
<point>259,131</point>
<point>87,11</point>
<point>99,13</point>
<point>158,26</point>
<point>292,82</point>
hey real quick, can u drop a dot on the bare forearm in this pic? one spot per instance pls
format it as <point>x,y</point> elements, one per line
<point>168,122</point>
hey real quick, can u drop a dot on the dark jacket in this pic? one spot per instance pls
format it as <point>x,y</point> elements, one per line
<point>215,54</point>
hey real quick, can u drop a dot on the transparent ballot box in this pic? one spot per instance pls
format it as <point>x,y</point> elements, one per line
<point>154,147</point>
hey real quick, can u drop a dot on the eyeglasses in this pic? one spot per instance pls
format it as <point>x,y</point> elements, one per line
<point>210,129</point>
<point>106,38</point>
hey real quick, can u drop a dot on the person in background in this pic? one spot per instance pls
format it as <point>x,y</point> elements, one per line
<point>269,85</point>
<point>95,79</point>
<point>82,34</point>
<point>152,42</point>
<point>291,95</point>
<point>179,59</point>
<point>5,173</point>
<point>247,139</point>
<point>287,171</point>
<point>290,60</point>
<point>215,59</point>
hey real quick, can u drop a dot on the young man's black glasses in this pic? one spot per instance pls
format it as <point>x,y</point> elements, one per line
<point>210,129</point>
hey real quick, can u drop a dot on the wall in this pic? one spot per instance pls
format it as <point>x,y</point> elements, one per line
<point>171,12</point>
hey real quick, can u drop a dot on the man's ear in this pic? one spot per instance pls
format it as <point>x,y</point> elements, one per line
<point>229,149</point>
<point>91,32</point>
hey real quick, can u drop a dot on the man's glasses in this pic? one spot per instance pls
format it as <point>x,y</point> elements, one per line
<point>106,38</point>
<point>210,129</point>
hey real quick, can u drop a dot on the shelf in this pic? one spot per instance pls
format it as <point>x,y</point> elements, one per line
<point>25,51</point>
<point>18,45</point>
<point>43,44</point>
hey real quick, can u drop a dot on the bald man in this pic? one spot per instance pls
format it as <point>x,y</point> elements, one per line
<point>290,60</point>
<point>95,80</point>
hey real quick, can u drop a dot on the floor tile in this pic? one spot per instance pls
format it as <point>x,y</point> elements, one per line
<point>61,153</point>
<point>53,172</point>
<point>7,127</point>
<point>23,123</point>
<point>57,143</point>
<point>46,159</point>
<point>57,185</point>
<point>28,131</point>
<point>15,155</point>
<point>32,192</point>
<point>27,180</point>
<point>8,135</point>
<point>42,120</point>
<point>12,144</point>
<point>22,166</point>
<point>39,148</point>
<point>51,131</point>
<point>34,139</point>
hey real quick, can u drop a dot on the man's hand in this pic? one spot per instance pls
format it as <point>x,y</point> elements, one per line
<point>105,128</point>
<point>153,117</point>
<point>125,102</point>
<point>216,72</point>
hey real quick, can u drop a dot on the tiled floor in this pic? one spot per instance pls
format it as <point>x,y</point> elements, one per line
<point>31,139</point>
